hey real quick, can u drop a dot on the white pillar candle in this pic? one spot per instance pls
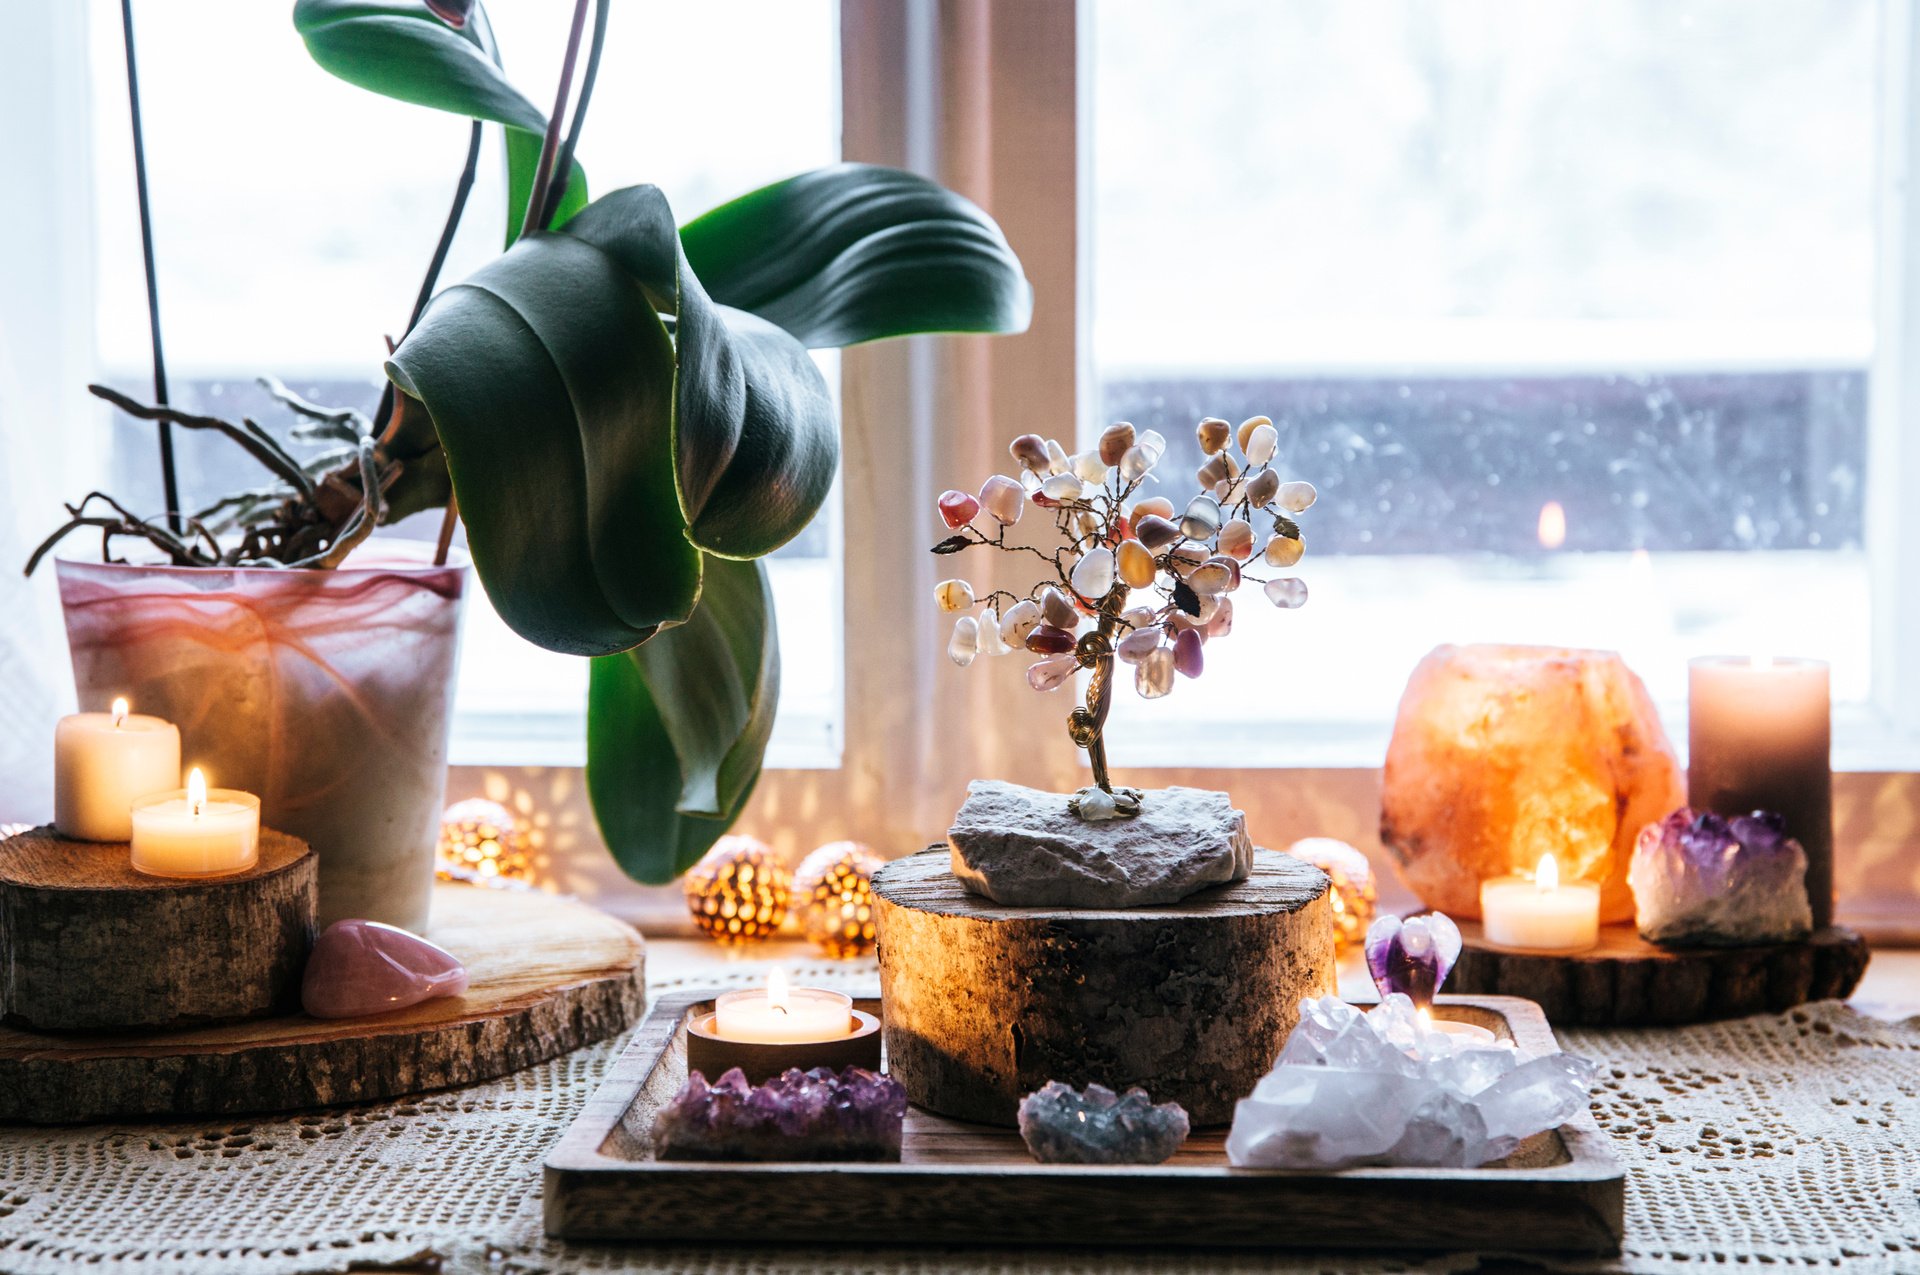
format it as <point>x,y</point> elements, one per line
<point>196,832</point>
<point>782,1014</point>
<point>1760,734</point>
<point>101,762</point>
<point>1539,913</point>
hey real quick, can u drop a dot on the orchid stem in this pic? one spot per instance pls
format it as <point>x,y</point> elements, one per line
<point>170,483</point>
<point>550,144</point>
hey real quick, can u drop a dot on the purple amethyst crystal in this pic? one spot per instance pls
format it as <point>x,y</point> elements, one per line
<point>814,1115</point>
<point>1413,956</point>
<point>1701,880</point>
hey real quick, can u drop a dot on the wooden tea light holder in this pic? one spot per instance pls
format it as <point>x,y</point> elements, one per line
<point>843,1037</point>
<point>87,943</point>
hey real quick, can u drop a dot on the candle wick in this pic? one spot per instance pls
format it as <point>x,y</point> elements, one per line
<point>781,1008</point>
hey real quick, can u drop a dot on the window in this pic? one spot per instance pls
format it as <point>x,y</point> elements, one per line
<point>1565,309</point>
<point>294,215</point>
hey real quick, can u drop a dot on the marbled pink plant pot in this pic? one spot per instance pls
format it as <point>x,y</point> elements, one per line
<point>326,693</point>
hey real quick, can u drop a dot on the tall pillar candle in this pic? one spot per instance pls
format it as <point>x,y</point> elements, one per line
<point>101,762</point>
<point>1760,737</point>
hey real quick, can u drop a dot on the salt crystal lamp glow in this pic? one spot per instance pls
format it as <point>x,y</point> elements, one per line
<point>1502,752</point>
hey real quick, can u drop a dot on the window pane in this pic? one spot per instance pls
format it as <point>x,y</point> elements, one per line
<point>295,214</point>
<point>1476,260</point>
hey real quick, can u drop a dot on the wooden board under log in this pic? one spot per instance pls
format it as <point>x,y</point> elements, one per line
<point>548,976</point>
<point>1628,982</point>
<point>1191,1001</point>
<point>89,944</point>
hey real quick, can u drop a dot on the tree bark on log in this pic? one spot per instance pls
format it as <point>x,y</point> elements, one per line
<point>1629,982</point>
<point>549,976</point>
<point>89,944</point>
<point>1190,1001</point>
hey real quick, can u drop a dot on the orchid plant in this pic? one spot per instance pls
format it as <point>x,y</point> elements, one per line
<point>1109,545</point>
<point>622,409</point>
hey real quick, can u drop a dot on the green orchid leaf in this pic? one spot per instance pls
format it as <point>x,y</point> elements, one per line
<point>755,443</point>
<point>857,252</point>
<point>400,50</point>
<point>523,160</point>
<point>549,378</point>
<point>677,728</point>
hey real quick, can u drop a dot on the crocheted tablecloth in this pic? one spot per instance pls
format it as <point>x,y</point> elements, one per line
<point>1782,1141</point>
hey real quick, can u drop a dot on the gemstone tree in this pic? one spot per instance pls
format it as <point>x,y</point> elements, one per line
<point>1111,546</point>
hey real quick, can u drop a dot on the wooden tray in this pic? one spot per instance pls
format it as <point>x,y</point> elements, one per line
<point>1628,982</point>
<point>548,976</point>
<point>966,1183</point>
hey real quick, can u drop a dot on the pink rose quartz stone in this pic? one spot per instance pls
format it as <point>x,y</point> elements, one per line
<point>1503,753</point>
<point>364,967</point>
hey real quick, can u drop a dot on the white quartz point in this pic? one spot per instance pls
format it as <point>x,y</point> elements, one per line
<point>1058,461</point>
<point>1021,619</point>
<point>953,595</point>
<point>1089,467</point>
<point>1202,518</point>
<point>1287,593</point>
<point>1136,646</point>
<point>1062,487</point>
<point>1262,442</point>
<point>991,643</point>
<point>1096,804</point>
<point>965,642</point>
<point>1297,497</point>
<point>1093,577</point>
<point>1154,676</point>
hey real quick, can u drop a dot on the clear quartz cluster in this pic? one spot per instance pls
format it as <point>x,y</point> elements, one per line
<point>1187,563</point>
<point>816,1115</point>
<point>1385,1087</point>
<point>1701,880</point>
<point>1063,1126</point>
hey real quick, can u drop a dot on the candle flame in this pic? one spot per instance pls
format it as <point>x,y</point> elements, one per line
<point>1425,1020</point>
<point>1762,661</point>
<point>120,709</point>
<point>777,990</point>
<point>1553,525</point>
<point>1547,876</point>
<point>197,792</point>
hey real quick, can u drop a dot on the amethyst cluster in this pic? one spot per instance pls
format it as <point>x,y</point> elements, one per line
<point>1412,957</point>
<point>1062,1126</point>
<point>1701,880</point>
<point>814,1115</point>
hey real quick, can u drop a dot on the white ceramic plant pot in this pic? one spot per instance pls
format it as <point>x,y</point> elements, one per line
<point>328,694</point>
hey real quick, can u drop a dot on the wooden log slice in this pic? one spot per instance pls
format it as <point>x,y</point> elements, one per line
<point>89,944</point>
<point>1191,1001</point>
<point>1629,982</point>
<point>548,976</point>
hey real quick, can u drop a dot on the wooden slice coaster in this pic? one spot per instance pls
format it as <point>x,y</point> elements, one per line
<point>548,976</point>
<point>89,944</point>
<point>1628,982</point>
<point>1191,1001</point>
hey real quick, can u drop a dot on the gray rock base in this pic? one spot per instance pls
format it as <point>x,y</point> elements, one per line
<point>1022,847</point>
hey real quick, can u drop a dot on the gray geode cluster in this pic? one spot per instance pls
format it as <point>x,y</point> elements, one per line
<point>1024,848</point>
<point>1061,1126</point>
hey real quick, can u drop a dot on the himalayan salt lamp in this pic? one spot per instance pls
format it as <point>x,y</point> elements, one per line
<point>1503,753</point>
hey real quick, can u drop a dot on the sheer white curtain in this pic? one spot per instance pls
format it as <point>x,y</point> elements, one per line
<point>49,445</point>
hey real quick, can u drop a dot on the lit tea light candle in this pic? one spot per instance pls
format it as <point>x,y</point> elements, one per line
<point>1759,737</point>
<point>1465,1032</point>
<point>101,762</point>
<point>195,831</point>
<point>782,1014</point>
<point>1540,913</point>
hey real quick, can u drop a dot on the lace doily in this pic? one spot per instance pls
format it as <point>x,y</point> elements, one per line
<point>1785,1141</point>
